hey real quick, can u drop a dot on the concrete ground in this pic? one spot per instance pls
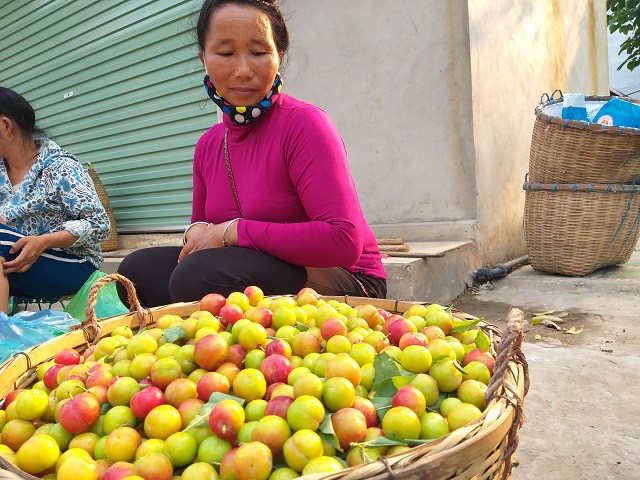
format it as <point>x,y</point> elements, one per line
<point>583,409</point>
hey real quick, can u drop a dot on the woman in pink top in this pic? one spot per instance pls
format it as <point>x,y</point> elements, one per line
<point>274,203</point>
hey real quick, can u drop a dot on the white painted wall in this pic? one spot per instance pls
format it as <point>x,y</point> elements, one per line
<point>435,99</point>
<point>394,75</point>
<point>519,50</point>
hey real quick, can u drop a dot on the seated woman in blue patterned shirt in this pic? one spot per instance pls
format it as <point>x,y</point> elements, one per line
<point>51,219</point>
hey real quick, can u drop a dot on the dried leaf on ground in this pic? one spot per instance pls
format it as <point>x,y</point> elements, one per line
<point>537,337</point>
<point>548,320</point>
<point>550,324</point>
<point>555,318</point>
<point>542,318</point>
<point>573,331</point>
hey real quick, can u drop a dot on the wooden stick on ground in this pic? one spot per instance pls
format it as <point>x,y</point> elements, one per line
<point>394,248</point>
<point>390,241</point>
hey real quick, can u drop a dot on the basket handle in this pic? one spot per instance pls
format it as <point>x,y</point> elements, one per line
<point>510,350</point>
<point>553,94</point>
<point>91,326</point>
<point>546,99</point>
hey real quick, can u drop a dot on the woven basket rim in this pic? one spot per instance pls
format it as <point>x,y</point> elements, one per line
<point>582,125</point>
<point>498,416</point>
<point>582,187</point>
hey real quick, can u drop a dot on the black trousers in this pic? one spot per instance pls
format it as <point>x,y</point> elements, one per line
<point>160,280</point>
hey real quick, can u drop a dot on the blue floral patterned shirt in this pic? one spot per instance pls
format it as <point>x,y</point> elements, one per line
<point>56,194</point>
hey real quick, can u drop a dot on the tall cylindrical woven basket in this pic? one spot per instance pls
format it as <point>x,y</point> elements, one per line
<point>110,243</point>
<point>482,449</point>
<point>582,205</point>
<point>574,229</point>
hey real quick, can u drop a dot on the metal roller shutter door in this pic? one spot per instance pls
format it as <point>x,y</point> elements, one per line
<point>117,83</point>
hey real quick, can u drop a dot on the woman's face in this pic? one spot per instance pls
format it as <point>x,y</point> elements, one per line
<point>240,54</point>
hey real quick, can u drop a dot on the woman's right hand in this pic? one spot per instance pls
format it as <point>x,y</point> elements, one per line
<point>30,248</point>
<point>200,237</point>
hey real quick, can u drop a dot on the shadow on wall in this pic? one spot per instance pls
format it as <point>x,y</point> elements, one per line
<point>519,50</point>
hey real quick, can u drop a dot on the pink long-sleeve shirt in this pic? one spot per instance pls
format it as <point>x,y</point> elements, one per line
<point>295,188</point>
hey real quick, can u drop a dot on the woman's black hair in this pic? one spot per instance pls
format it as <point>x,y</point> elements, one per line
<point>268,7</point>
<point>14,106</point>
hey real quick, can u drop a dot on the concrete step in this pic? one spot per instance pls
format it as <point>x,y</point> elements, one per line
<point>431,271</point>
<point>436,272</point>
<point>131,243</point>
<point>111,264</point>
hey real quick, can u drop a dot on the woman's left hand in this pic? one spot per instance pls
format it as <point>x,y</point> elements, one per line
<point>32,247</point>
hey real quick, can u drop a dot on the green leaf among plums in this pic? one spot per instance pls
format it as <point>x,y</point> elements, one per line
<point>202,420</point>
<point>412,442</point>
<point>439,358</point>
<point>465,325</point>
<point>385,367</point>
<point>459,368</point>
<point>217,397</point>
<point>382,405</point>
<point>392,441</point>
<point>403,380</point>
<point>382,442</point>
<point>386,388</point>
<point>116,350</point>
<point>326,426</point>
<point>342,462</point>
<point>174,334</point>
<point>331,440</point>
<point>301,327</point>
<point>482,341</point>
<point>326,432</point>
<point>449,311</point>
<point>443,396</point>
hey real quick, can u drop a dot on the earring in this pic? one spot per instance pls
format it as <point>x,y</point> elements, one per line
<point>10,136</point>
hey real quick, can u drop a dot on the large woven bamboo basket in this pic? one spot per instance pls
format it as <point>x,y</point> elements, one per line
<point>110,243</point>
<point>481,450</point>
<point>567,151</point>
<point>574,229</point>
